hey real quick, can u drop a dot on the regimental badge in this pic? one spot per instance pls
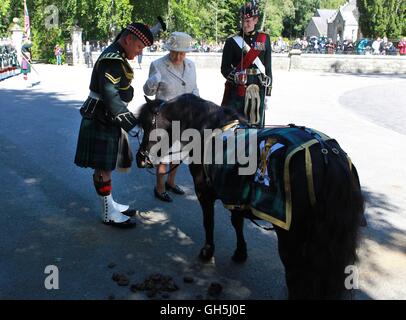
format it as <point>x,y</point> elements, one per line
<point>267,147</point>
<point>260,46</point>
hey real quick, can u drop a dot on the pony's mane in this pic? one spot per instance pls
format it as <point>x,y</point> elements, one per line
<point>191,109</point>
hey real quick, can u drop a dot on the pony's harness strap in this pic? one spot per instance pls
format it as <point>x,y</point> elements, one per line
<point>226,127</point>
<point>262,227</point>
<point>154,123</point>
<point>308,159</point>
<point>230,125</point>
<point>156,113</point>
<point>309,176</point>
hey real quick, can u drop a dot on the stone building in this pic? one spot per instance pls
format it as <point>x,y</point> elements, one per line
<point>341,24</point>
<point>318,25</point>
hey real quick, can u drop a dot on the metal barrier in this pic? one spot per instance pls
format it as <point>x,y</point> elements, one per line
<point>9,65</point>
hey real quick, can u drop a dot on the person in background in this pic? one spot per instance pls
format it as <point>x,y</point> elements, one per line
<point>383,46</point>
<point>330,46</point>
<point>26,59</point>
<point>88,55</point>
<point>58,54</point>
<point>140,60</point>
<point>402,47</point>
<point>376,45</point>
<point>304,44</point>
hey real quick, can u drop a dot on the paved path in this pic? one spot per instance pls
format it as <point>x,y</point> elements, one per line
<point>49,211</point>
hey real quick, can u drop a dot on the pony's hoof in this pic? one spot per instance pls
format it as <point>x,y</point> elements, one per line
<point>239,257</point>
<point>206,253</point>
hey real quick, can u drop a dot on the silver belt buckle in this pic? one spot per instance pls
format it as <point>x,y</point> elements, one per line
<point>240,77</point>
<point>265,80</point>
<point>252,71</point>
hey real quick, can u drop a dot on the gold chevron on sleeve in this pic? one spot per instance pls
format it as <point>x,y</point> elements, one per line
<point>128,75</point>
<point>125,88</point>
<point>112,79</point>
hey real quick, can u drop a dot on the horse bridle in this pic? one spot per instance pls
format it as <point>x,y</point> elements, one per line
<point>145,153</point>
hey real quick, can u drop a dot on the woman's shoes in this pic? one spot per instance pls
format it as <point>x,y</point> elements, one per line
<point>164,196</point>
<point>175,189</point>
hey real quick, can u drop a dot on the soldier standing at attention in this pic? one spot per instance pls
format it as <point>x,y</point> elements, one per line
<point>247,66</point>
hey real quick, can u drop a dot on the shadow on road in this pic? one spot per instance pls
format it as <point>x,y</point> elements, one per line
<point>52,218</point>
<point>379,230</point>
<point>382,247</point>
<point>336,72</point>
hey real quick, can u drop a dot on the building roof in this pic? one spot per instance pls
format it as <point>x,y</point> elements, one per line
<point>349,17</point>
<point>326,14</point>
<point>333,17</point>
<point>321,25</point>
<point>323,17</point>
<point>349,13</point>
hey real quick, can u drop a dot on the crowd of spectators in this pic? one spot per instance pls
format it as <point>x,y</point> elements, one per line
<point>199,46</point>
<point>317,45</point>
<point>380,46</point>
<point>8,59</point>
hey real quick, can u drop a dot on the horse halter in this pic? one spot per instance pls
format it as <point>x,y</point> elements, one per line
<point>142,151</point>
<point>145,153</point>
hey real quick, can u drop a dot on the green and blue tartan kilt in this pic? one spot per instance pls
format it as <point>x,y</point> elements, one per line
<point>97,146</point>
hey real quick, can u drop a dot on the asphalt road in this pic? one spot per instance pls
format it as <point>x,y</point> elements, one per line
<point>50,212</point>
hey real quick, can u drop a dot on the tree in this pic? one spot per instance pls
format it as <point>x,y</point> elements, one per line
<point>296,14</point>
<point>331,4</point>
<point>295,24</point>
<point>9,9</point>
<point>223,19</point>
<point>274,13</point>
<point>4,17</point>
<point>382,18</point>
<point>98,18</point>
<point>147,11</point>
<point>184,16</point>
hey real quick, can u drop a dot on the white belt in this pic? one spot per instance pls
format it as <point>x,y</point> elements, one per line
<point>94,95</point>
<point>252,71</point>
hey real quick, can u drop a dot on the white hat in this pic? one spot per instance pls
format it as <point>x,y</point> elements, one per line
<point>180,42</point>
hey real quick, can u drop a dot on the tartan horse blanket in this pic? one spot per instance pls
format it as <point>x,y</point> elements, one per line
<point>267,192</point>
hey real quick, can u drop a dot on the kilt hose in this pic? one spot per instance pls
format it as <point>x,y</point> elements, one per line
<point>97,146</point>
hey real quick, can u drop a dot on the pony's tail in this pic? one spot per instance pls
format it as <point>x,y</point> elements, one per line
<point>332,239</point>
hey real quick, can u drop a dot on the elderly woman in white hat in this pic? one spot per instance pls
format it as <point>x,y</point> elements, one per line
<point>169,77</point>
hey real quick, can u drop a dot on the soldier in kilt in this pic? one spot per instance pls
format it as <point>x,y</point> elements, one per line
<point>103,141</point>
<point>247,66</point>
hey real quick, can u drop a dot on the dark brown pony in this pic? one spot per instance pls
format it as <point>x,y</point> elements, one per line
<point>322,238</point>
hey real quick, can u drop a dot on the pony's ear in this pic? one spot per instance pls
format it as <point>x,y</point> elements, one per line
<point>148,100</point>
